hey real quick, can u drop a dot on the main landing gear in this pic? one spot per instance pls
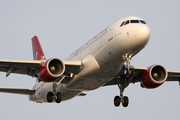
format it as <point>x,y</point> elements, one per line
<point>121,99</point>
<point>51,96</point>
<point>55,95</point>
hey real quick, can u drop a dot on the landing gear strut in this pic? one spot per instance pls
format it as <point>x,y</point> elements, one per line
<point>121,99</point>
<point>127,59</point>
<point>55,95</point>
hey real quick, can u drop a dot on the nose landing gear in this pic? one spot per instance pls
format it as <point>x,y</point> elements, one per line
<point>121,99</point>
<point>127,59</point>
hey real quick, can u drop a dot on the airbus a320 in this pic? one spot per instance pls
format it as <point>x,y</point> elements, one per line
<point>102,61</point>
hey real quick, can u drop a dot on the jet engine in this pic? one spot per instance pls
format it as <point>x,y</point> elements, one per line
<point>51,70</point>
<point>155,76</point>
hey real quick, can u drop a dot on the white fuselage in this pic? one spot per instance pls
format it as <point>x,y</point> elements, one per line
<point>102,58</point>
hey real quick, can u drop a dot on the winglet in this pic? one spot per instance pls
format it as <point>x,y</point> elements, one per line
<point>37,50</point>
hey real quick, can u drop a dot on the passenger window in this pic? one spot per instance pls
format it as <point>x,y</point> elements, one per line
<point>122,24</point>
<point>143,22</point>
<point>127,22</point>
<point>134,21</point>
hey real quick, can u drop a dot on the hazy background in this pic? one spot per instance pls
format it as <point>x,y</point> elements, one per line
<point>64,26</point>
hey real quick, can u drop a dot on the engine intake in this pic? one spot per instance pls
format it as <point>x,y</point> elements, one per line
<point>51,70</point>
<point>155,76</point>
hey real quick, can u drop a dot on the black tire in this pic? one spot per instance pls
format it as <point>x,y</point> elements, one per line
<point>126,101</point>
<point>117,101</point>
<point>58,99</point>
<point>50,97</point>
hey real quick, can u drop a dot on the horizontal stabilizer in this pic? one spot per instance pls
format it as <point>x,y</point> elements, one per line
<point>18,91</point>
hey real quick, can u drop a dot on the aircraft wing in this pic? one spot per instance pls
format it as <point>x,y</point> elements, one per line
<point>18,91</point>
<point>136,73</point>
<point>173,76</point>
<point>31,67</point>
<point>20,66</point>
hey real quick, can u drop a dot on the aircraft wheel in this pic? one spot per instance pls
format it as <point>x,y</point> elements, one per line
<point>58,97</point>
<point>126,101</point>
<point>50,97</point>
<point>117,101</point>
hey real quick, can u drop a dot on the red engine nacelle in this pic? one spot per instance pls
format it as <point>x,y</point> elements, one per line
<point>155,76</point>
<point>51,70</point>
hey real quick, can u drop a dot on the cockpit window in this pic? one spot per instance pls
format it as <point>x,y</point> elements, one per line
<point>134,21</point>
<point>127,22</point>
<point>143,22</point>
<point>122,24</point>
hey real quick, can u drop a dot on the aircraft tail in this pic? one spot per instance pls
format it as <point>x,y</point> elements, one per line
<point>37,50</point>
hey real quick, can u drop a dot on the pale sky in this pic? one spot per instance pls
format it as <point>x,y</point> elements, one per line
<point>64,26</point>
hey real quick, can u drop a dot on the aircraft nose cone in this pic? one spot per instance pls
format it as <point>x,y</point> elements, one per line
<point>143,34</point>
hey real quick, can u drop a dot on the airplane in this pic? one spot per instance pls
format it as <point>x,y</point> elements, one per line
<point>102,61</point>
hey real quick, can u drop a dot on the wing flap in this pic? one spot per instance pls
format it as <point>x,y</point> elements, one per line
<point>73,67</point>
<point>18,91</point>
<point>18,70</point>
